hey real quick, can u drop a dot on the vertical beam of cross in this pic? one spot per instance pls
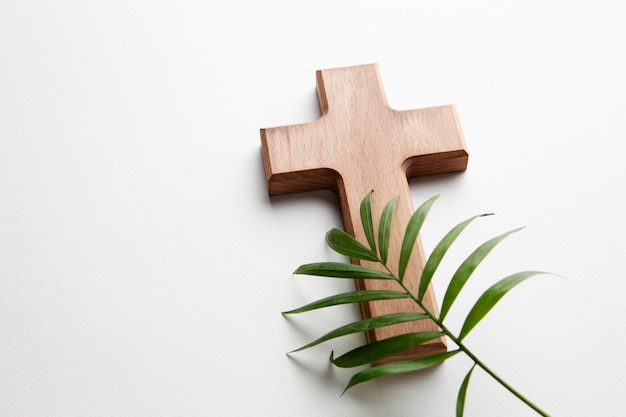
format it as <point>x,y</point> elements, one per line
<point>361,144</point>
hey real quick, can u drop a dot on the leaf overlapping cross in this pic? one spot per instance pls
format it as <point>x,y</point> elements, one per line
<point>376,250</point>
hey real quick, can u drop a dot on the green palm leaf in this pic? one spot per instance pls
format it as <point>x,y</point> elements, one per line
<point>384,228</point>
<point>399,367</point>
<point>438,253</point>
<point>410,235</point>
<point>349,297</point>
<point>466,269</point>
<point>367,324</point>
<point>346,245</point>
<point>341,270</point>
<point>366,220</point>
<point>460,401</point>
<point>383,348</point>
<point>490,297</point>
<point>343,243</point>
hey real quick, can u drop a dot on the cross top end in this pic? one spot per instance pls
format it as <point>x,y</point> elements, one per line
<point>350,87</point>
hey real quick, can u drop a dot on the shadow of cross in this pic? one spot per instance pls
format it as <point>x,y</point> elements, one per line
<point>361,144</point>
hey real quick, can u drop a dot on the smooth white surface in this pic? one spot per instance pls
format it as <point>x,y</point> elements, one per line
<point>143,267</point>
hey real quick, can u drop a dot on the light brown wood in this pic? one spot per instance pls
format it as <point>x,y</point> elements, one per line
<point>361,144</point>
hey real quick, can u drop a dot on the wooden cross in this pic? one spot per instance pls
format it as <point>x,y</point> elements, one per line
<point>361,144</point>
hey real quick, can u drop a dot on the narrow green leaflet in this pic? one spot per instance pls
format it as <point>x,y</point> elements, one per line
<point>399,367</point>
<point>490,297</point>
<point>466,269</point>
<point>343,243</point>
<point>349,297</point>
<point>384,228</point>
<point>366,220</point>
<point>383,348</point>
<point>341,270</point>
<point>438,253</point>
<point>367,324</point>
<point>410,236</point>
<point>460,401</point>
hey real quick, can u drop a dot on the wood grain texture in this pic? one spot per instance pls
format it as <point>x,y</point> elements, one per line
<point>361,144</point>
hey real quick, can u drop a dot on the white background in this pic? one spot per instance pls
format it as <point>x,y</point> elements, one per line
<point>143,268</point>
